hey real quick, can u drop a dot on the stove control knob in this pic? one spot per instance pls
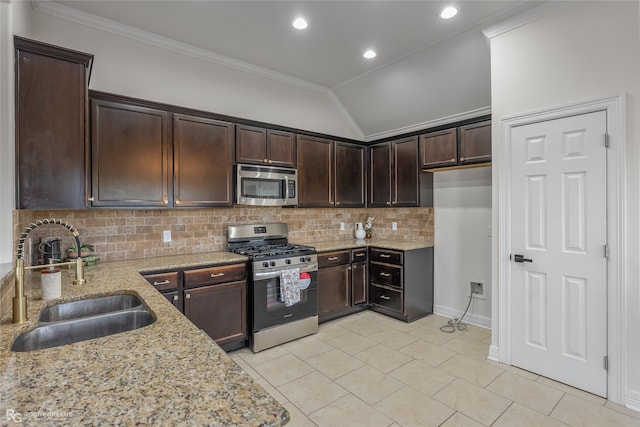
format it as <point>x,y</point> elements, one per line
<point>301,259</point>
<point>265,264</point>
<point>288,261</point>
<point>308,258</point>
<point>273,263</point>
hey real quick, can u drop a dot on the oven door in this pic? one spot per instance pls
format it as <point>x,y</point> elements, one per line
<point>269,308</point>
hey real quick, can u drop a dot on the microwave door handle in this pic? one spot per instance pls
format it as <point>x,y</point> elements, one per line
<point>286,189</point>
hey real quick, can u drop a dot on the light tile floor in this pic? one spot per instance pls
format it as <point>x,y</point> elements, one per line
<point>370,370</point>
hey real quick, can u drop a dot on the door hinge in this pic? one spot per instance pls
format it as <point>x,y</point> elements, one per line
<point>606,363</point>
<point>606,251</point>
<point>606,140</point>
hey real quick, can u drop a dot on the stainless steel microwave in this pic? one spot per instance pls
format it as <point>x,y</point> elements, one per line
<point>266,186</point>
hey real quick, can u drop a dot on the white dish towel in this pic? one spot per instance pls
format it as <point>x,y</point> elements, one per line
<point>289,288</point>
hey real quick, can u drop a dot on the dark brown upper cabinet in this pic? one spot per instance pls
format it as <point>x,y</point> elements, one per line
<point>315,172</point>
<point>202,161</point>
<point>438,149</point>
<point>394,179</point>
<point>461,146</point>
<point>51,125</point>
<point>130,155</point>
<point>349,175</point>
<point>255,145</point>
<point>475,143</point>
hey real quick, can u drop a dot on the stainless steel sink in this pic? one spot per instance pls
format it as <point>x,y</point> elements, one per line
<point>89,307</point>
<point>84,320</point>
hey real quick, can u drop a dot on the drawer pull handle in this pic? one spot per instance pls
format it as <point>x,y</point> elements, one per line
<point>332,258</point>
<point>217,274</point>
<point>164,282</point>
<point>462,159</point>
<point>385,297</point>
<point>360,254</point>
<point>385,256</point>
<point>385,274</point>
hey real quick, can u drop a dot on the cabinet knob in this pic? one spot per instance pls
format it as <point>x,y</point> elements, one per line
<point>165,202</point>
<point>265,161</point>
<point>462,159</point>
<point>453,160</point>
<point>177,202</point>
<point>188,296</point>
<point>388,203</point>
<point>90,199</point>
<point>394,202</point>
<point>175,297</point>
<point>270,161</point>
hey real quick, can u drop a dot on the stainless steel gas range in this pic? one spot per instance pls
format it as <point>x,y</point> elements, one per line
<point>283,290</point>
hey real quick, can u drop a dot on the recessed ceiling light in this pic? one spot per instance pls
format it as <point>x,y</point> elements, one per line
<point>300,23</point>
<point>369,54</point>
<point>448,12</point>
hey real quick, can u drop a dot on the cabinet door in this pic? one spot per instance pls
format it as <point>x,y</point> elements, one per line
<point>315,171</point>
<point>251,145</point>
<point>334,289</point>
<point>438,149</point>
<point>359,283</point>
<point>475,143</point>
<point>350,175</point>
<point>219,310</point>
<point>380,175</point>
<point>130,155</point>
<point>203,162</point>
<point>281,148</point>
<point>405,172</point>
<point>51,101</point>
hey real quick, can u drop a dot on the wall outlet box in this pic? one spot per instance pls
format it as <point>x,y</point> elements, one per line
<point>394,225</point>
<point>477,290</point>
<point>342,226</point>
<point>166,236</point>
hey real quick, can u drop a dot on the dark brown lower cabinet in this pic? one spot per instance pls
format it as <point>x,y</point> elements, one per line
<point>214,298</point>
<point>342,285</point>
<point>219,310</point>
<point>401,282</point>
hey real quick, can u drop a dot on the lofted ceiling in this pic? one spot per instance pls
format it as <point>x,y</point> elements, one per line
<point>400,88</point>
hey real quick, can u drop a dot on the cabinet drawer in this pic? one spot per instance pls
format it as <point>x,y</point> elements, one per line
<point>359,255</point>
<point>214,275</point>
<point>163,281</point>
<point>385,297</point>
<point>385,274</point>
<point>387,256</point>
<point>328,259</point>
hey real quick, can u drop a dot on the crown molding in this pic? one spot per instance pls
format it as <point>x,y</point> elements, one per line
<point>525,18</point>
<point>68,13</point>
<point>471,114</point>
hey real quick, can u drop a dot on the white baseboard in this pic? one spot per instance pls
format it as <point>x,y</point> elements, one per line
<point>472,319</point>
<point>632,400</point>
<point>494,353</point>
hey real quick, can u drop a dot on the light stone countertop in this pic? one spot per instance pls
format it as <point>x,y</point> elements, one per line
<point>167,373</point>
<point>335,245</point>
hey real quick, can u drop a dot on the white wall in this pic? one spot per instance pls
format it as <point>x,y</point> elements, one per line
<point>462,242</point>
<point>584,51</point>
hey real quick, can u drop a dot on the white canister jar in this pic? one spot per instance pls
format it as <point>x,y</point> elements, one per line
<point>360,233</point>
<point>51,283</point>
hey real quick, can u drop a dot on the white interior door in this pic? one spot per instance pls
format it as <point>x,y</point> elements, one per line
<point>559,232</point>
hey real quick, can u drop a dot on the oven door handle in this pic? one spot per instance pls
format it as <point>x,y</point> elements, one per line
<point>271,274</point>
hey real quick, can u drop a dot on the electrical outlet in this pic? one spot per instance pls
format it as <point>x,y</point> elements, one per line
<point>477,290</point>
<point>342,226</point>
<point>394,225</point>
<point>166,236</point>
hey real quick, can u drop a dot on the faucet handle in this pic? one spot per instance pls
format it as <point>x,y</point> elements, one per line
<point>79,280</point>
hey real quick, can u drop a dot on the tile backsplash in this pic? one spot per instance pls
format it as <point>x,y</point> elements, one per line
<point>128,234</point>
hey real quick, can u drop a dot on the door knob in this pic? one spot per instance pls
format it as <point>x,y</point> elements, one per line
<point>521,258</point>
